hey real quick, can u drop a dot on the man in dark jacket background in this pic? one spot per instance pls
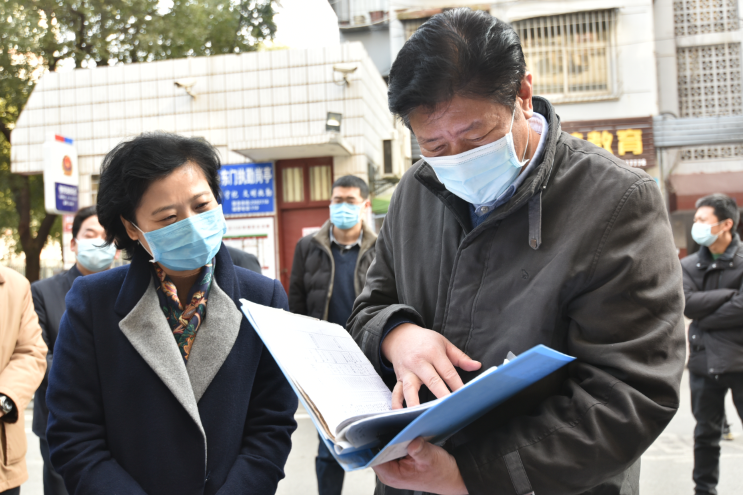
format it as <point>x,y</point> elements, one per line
<point>49,303</point>
<point>713,279</point>
<point>509,234</point>
<point>328,273</point>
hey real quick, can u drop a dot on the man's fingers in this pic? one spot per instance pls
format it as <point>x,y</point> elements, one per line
<point>415,447</point>
<point>460,359</point>
<point>431,379</point>
<point>397,395</point>
<point>448,373</point>
<point>410,386</point>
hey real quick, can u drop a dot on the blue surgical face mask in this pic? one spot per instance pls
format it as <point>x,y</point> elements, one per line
<point>94,255</point>
<point>702,233</point>
<point>188,244</point>
<point>345,215</point>
<point>481,175</point>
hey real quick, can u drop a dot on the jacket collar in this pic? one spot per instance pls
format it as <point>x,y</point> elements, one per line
<point>368,238</point>
<point>705,256</point>
<point>72,274</point>
<point>535,184</point>
<point>139,275</point>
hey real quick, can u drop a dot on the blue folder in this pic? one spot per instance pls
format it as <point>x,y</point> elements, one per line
<point>464,406</point>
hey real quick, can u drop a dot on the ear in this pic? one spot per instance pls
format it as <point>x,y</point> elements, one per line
<point>73,245</point>
<point>131,230</point>
<point>727,225</point>
<point>524,99</point>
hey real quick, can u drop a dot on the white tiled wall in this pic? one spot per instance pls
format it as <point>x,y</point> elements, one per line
<point>243,97</point>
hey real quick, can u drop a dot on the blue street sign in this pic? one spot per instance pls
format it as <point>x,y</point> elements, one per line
<point>65,197</point>
<point>247,188</point>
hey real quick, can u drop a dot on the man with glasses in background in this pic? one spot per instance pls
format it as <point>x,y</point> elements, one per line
<point>328,273</point>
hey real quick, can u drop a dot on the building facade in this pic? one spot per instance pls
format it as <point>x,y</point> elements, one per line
<point>286,123</point>
<point>657,83</point>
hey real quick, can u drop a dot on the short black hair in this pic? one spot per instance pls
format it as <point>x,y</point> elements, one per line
<point>459,52</point>
<point>82,215</point>
<point>724,206</point>
<point>129,169</point>
<point>352,181</point>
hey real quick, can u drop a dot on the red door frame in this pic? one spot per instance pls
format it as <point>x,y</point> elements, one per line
<point>285,262</point>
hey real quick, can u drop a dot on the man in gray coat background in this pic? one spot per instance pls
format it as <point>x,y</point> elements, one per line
<point>509,234</point>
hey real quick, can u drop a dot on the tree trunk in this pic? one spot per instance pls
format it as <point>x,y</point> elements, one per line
<point>31,244</point>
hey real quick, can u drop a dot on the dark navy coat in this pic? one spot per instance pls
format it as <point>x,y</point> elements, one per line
<point>128,416</point>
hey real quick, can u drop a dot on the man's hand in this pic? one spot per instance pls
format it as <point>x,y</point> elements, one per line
<point>423,357</point>
<point>426,468</point>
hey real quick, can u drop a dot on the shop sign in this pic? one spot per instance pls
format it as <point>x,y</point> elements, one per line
<point>61,175</point>
<point>254,235</point>
<point>629,139</point>
<point>247,188</point>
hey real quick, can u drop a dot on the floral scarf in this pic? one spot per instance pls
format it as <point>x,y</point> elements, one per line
<point>184,322</point>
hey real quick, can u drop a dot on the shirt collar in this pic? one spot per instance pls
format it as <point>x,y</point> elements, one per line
<point>539,124</point>
<point>346,246</point>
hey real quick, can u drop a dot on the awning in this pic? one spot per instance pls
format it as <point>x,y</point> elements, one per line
<point>689,188</point>
<point>671,133</point>
<point>261,150</point>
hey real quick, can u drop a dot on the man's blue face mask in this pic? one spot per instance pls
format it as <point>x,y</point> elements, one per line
<point>481,175</point>
<point>188,244</point>
<point>345,215</point>
<point>94,255</point>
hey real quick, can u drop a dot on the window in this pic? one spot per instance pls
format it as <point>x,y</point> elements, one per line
<point>411,25</point>
<point>94,182</point>
<point>691,17</point>
<point>570,55</point>
<point>387,152</point>
<point>293,185</point>
<point>709,80</point>
<point>320,183</point>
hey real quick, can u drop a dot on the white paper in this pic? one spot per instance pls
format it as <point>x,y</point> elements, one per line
<point>326,363</point>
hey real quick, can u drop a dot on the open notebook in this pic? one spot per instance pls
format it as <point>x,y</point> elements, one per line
<point>351,406</point>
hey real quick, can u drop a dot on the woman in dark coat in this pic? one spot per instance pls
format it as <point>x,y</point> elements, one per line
<point>159,385</point>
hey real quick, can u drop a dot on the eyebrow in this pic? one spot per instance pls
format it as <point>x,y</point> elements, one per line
<point>466,129</point>
<point>163,208</point>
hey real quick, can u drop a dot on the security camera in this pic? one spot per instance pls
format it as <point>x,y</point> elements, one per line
<point>345,70</point>
<point>187,84</point>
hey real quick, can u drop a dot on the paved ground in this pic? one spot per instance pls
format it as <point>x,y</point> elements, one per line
<point>666,466</point>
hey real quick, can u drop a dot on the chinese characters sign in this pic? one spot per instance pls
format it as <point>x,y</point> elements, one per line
<point>628,139</point>
<point>247,188</point>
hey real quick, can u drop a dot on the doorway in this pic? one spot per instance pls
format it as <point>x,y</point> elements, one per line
<point>303,189</point>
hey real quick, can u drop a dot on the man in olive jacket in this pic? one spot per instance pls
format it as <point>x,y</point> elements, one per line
<point>713,278</point>
<point>328,273</point>
<point>574,251</point>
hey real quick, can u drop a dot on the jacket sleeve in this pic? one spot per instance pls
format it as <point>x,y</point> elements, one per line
<point>23,374</point>
<point>297,293</point>
<point>700,303</point>
<point>626,331</point>
<point>728,315</point>
<point>378,307</point>
<point>76,431</point>
<point>40,308</point>
<point>270,423</point>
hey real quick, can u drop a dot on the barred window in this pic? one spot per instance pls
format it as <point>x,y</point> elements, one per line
<point>711,152</point>
<point>411,25</point>
<point>692,17</point>
<point>570,55</point>
<point>709,80</point>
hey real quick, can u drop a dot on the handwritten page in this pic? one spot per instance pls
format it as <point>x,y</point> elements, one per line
<point>324,361</point>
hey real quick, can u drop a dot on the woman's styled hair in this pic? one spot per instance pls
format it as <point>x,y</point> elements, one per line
<point>456,53</point>
<point>129,169</point>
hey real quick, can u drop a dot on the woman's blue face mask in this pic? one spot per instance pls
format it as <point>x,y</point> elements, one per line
<point>188,244</point>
